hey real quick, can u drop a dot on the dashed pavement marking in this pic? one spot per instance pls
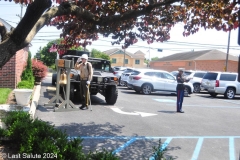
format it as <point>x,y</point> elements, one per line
<point>168,140</point>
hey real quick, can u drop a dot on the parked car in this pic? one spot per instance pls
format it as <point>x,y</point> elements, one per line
<point>195,78</point>
<point>119,72</point>
<point>125,76</point>
<point>225,83</point>
<point>116,68</point>
<point>148,81</point>
<point>174,73</point>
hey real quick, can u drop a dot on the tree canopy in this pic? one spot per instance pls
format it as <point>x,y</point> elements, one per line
<point>81,21</point>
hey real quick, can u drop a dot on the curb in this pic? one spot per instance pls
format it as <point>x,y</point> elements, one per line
<point>34,102</point>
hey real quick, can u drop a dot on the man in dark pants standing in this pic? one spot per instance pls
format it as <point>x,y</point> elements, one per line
<point>180,90</point>
<point>86,73</point>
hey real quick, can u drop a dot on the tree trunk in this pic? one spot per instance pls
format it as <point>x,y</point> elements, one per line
<point>17,39</point>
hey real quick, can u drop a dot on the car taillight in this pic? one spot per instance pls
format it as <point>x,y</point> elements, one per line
<point>217,83</point>
<point>114,72</point>
<point>137,77</point>
<point>71,75</point>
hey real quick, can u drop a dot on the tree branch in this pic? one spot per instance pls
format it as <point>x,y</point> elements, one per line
<point>16,41</point>
<point>33,12</point>
<point>3,32</point>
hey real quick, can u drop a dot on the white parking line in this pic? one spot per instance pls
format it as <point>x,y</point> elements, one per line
<point>231,101</point>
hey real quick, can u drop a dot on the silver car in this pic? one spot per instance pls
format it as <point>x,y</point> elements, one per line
<point>119,72</point>
<point>148,81</point>
<point>221,83</point>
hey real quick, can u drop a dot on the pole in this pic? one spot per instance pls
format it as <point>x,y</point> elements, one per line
<point>226,66</point>
<point>124,58</point>
<point>20,16</point>
<point>149,53</point>
<point>21,11</point>
<point>149,56</point>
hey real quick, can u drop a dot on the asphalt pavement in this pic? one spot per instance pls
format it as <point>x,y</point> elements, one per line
<point>209,128</point>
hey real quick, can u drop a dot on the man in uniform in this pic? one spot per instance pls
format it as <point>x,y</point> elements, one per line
<point>86,73</point>
<point>180,90</point>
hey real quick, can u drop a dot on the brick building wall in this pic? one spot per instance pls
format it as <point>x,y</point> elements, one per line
<point>206,65</point>
<point>11,72</point>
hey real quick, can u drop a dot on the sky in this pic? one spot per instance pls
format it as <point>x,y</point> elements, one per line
<point>202,40</point>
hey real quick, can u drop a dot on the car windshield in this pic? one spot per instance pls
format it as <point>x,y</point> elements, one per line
<point>210,76</point>
<point>98,66</point>
<point>187,73</point>
<point>174,73</point>
<point>135,73</point>
<point>116,69</point>
<point>199,75</point>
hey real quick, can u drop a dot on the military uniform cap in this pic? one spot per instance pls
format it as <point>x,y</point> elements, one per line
<point>85,56</point>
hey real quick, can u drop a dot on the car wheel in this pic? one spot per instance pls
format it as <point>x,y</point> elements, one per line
<point>111,95</point>
<point>196,88</point>
<point>230,93</point>
<point>122,83</point>
<point>213,94</point>
<point>186,91</point>
<point>119,81</point>
<point>72,87</point>
<point>147,89</point>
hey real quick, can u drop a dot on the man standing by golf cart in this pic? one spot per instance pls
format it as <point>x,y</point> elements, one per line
<point>86,73</point>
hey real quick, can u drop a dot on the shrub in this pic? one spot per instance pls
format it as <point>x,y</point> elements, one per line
<point>103,155</point>
<point>39,70</point>
<point>27,74</point>
<point>159,152</point>
<point>25,84</point>
<point>38,137</point>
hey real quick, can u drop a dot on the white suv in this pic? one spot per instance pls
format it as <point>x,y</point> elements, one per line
<point>147,81</point>
<point>221,83</point>
<point>195,78</point>
<point>121,70</point>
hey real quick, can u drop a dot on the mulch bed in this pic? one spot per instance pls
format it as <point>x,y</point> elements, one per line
<point>7,150</point>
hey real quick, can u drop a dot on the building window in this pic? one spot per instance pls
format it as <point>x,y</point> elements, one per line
<point>114,60</point>
<point>137,61</point>
<point>126,61</point>
<point>189,63</point>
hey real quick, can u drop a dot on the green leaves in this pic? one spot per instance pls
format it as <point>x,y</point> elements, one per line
<point>82,21</point>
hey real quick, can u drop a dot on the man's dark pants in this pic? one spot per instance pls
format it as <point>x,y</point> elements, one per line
<point>180,95</point>
<point>83,91</point>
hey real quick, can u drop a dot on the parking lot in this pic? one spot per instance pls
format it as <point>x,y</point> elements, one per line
<point>209,128</point>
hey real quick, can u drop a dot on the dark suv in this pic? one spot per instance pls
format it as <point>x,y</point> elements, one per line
<point>103,81</point>
<point>221,83</point>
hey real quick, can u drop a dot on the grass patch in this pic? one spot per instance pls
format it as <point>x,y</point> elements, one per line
<point>4,92</point>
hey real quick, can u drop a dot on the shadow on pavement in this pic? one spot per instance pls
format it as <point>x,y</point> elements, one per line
<point>106,136</point>
<point>169,112</point>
